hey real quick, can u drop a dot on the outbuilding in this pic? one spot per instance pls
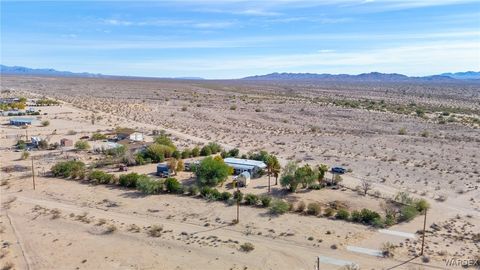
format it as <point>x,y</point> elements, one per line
<point>253,167</point>
<point>66,142</point>
<point>21,121</point>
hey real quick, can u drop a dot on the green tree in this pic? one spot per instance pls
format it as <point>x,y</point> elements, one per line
<point>158,152</point>
<point>288,179</point>
<point>305,175</point>
<point>211,172</point>
<point>322,169</point>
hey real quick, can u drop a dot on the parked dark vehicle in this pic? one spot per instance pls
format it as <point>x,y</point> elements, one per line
<point>339,170</point>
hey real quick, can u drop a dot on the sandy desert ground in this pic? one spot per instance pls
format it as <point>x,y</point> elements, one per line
<point>68,225</point>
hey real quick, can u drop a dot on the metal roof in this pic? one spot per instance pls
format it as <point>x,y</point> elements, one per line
<point>245,162</point>
<point>22,119</point>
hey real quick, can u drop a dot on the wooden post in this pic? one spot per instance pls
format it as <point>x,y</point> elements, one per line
<point>33,175</point>
<point>318,262</point>
<point>238,203</point>
<point>423,235</point>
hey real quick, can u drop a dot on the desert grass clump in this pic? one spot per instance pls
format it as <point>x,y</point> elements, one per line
<point>388,250</point>
<point>133,228</point>
<point>301,207</point>
<point>155,231</point>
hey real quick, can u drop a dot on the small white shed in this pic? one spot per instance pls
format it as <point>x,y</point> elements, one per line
<point>136,137</point>
<point>243,179</point>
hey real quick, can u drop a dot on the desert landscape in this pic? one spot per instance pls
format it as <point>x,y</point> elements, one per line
<point>419,139</point>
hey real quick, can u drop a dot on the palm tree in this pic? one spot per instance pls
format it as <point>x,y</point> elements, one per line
<point>322,169</point>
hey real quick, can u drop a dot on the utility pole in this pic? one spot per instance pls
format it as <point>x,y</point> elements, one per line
<point>33,175</point>
<point>269,182</point>
<point>318,262</point>
<point>26,134</point>
<point>238,202</point>
<point>423,236</point>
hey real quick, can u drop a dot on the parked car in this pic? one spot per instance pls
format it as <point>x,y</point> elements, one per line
<point>339,170</point>
<point>122,168</point>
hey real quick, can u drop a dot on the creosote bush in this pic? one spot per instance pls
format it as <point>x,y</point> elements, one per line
<point>247,247</point>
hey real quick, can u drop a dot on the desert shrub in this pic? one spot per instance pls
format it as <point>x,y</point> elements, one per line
<point>214,147</point>
<point>100,177</point>
<point>176,154</point>
<point>98,136</point>
<point>180,166</point>
<point>301,207</point>
<point>315,186</point>
<point>128,180</point>
<point>82,145</point>
<point>25,155</point>
<point>233,152</point>
<point>158,152</point>
<point>205,191</point>
<point>116,151</point>
<point>378,223</point>
<point>45,123</point>
<point>196,151</point>
<point>265,200</point>
<point>193,190</point>
<point>356,216</point>
<point>206,151</point>
<point>225,196</point>
<point>389,220</point>
<point>314,209</point>
<point>172,185</point>
<point>211,172</point>
<point>402,131</point>
<point>149,186</point>
<point>186,153</point>
<point>329,212</point>
<point>214,195</point>
<point>155,231</point>
<point>21,144</point>
<point>251,199</point>
<point>408,213</point>
<point>403,198</point>
<point>279,207</point>
<point>165,140</point>
<point>247,247</point>
<point>70,168</point>
<point>368,216</point>
<point>342,214</point>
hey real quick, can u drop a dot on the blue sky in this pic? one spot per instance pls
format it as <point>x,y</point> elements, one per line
<point>232,39</point>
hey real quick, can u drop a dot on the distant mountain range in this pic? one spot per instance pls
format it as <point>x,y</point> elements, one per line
<point>366,77</point>
<point>17,70</point>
